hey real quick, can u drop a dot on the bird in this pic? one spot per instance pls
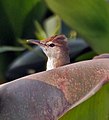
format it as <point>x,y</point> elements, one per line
<point>56,50</point>
<point>48,95</point>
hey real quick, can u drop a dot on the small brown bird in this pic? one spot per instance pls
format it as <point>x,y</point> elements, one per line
<point>56,49</point>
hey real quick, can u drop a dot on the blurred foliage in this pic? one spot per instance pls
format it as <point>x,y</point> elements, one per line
<point>51,26</point>
<point>10,48</point>
<point>40,33</point>
<point>17,21</point>
<point>22,13</point>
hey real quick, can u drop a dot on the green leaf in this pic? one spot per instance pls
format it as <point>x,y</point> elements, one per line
<point>17,11</point>
<point>90,18</point>
<point>86,56</point>
<point>52,25</point>
<point>40,33</point>
<point>95,108</point>
<point>10,48</point>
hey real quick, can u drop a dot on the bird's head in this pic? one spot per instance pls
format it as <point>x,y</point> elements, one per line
<point>52,46</point>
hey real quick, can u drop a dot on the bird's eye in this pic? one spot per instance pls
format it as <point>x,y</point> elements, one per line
<point>51,45</point>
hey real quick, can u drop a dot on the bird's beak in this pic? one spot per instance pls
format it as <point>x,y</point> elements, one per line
<point>37,42</point>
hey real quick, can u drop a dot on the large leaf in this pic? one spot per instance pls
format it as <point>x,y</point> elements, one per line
<point>89,17</point>
<point>17,11</point>
<point>96,108</point>
<point>46,95</point>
